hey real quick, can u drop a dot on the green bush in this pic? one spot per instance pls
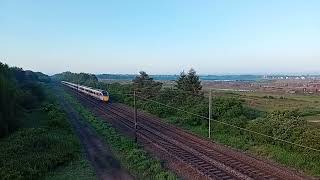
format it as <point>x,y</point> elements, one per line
<point>8,101</point>
<point>30,153</point>
<point>286,125</point>
<point>227,107</point>
<point>18,90</point>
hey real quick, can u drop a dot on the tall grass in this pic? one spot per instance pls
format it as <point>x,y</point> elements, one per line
<point>30,153</point>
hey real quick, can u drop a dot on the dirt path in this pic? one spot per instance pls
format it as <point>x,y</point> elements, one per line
<point>97,152</point>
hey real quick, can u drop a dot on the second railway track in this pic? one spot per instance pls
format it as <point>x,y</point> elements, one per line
<point>211,160</point>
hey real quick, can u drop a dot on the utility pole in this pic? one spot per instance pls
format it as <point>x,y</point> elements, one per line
<point>210,103</point>
<point>135,116</point>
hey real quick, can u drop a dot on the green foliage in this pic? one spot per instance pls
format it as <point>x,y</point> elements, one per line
<point>24,77</point>
<point>118,92</point>
<point>189,82</point>
<point>31,95</point>
<point>30,153</point>
<point>18,90</point>
<point>308,112</point>
<point>44,139</point>
<point>145,85</point>
<point>191,118</point>
<point>227,107</point>
<point>8,101</point>
<point>43,77</point>
<point>78,78</point>
<point>137,161</point>
<point>289,126</point>
<point>78,169</point>
<point>223,108</point>
<point>308,163</point>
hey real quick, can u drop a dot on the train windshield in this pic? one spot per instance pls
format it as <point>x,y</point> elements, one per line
<point>105,93</point>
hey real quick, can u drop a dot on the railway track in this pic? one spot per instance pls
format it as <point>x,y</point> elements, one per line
<point>211,160</point>
<point>235,159</point>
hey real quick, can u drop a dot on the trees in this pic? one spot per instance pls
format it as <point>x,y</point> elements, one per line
<point>7,100</point>
<point>145,85</point>
<point>78,78</point>
<point>189,82</point>
<point>18,89</point>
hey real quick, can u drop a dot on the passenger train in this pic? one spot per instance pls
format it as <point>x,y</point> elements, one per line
<point>96,93</point>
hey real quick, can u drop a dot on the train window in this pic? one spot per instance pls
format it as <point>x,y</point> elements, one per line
<point>105,93</point>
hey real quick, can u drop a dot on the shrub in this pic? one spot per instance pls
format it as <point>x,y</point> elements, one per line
<point>30,153</point>
<point>286,125</point>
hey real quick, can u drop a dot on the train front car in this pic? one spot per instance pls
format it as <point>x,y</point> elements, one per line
<point>105,96</point>
<point>96,93</point>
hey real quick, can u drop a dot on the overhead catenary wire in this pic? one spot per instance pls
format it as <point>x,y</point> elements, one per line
<point>119,93</point>
<point>139,92</point>
<point>201,93</point>
<point>185,92</point>
<point>231,125</point>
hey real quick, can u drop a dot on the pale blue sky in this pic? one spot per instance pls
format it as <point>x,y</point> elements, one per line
<point>162,36</point>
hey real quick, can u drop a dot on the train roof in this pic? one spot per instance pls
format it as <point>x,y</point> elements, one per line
<point>85,87</point>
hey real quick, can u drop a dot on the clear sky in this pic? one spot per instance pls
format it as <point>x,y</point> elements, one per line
<point>161,36</point>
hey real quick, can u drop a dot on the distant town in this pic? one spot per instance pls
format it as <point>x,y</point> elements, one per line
<point>302,77</point>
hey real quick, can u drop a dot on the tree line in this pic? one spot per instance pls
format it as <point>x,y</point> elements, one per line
<point>148,87</point>
<point>78,78</point>
<point>19,90</point>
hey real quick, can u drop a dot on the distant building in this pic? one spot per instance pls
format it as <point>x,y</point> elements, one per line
<point>302,77</point>
<point>291,91</point>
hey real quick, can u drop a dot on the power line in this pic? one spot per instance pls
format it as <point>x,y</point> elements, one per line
<point>234,126</point>
<point>126,94</point>
<point>186,92</point>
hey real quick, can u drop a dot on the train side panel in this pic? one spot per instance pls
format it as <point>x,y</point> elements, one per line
<point>98,94</point>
